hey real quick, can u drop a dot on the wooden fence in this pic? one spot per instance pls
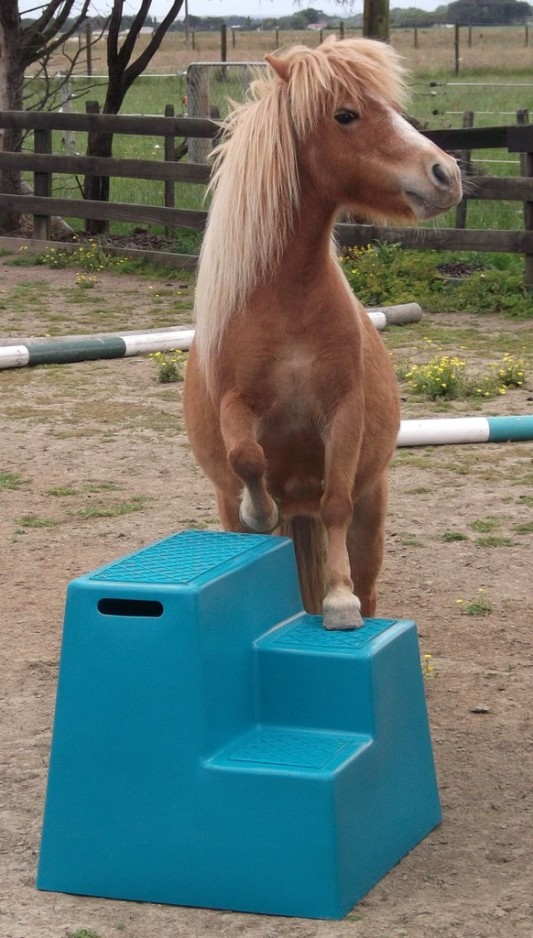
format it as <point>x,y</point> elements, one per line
<point>44,164</point>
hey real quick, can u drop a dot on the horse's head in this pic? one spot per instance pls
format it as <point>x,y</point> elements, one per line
<point>356,150</point>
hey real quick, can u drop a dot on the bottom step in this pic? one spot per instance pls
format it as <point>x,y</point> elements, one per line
<point>286,749</point>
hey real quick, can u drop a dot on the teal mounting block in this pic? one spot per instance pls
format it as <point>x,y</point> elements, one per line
<point>214,746</point>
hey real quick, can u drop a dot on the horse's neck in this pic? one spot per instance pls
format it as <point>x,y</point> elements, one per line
<point>308,254</point>
<point>230,287</point>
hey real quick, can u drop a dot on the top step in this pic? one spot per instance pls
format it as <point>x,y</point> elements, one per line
<point>186,558</point>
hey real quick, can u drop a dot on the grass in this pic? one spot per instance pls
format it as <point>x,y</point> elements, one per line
<point>485,525</point>
<point>30,520</point>
<point>63,491</point>
<point>388,274</point>
<point>492,540</point>
<point>450,537</point>
<point>82,933</point>
<point>526,528</point>
<point>481,605</point>
<point>411,540</point>
<point>12,480</point>
<point>137,503</point>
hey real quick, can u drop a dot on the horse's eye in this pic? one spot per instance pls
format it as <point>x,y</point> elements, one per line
<point>345,117</point>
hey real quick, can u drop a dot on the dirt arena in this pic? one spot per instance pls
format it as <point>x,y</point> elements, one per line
<point>94,463</point>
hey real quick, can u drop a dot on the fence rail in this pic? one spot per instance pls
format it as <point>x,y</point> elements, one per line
<point>45,164</point>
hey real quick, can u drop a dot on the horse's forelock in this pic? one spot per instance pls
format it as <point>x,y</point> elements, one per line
<point>357,70</point>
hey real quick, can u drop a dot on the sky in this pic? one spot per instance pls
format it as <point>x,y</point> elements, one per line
<point>255,8</point>
<point>259,8</point>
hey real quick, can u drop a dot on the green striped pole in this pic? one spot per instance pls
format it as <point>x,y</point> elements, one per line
<point>62,351</point>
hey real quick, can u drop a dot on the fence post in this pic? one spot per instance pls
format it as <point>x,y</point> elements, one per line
<point>522,117</point>
<point>456,47</point>
<point>526,169</point>
<point>415,37</point>
<point>528,223</point>
<point>169,156</point>
<point>464,157</point>
<point>69,137</point>
<point>198,95</point>
<point>89,47</point>
<point>223,43</point>
<point>42,184</point>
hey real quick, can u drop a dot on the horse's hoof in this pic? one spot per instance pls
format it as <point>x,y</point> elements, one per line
<point>260,527</point>
<point>342,612</point>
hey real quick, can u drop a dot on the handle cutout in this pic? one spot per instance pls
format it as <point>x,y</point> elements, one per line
<point>138,608</point>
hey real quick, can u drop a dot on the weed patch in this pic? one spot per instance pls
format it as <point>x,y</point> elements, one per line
<point>12,480</point>
<point>137,503</point>
<point>389,274</point>
<point>451,536</point>
<point>485,525</point>
<point>446,378</point>
<point>170,365</point>
<point>31,520</point>
<point>493,540</point>
<point>480,605</point>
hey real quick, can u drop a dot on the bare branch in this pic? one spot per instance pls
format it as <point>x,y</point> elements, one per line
<point>37,39</point>
<point>49,10</point>
<point>138,66</point>
<point>132,35</point>
<point>115,20</point>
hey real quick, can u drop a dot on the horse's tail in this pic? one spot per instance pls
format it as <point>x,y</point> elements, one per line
<point>309,539</point>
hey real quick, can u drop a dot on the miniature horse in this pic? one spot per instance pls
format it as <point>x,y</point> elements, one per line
<point>290,398</point>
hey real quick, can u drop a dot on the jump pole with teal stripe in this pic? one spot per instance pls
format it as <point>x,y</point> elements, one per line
<point>442,430</point>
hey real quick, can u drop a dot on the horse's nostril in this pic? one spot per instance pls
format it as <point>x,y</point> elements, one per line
<point>440,174</point>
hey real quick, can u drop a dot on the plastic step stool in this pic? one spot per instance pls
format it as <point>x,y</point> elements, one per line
<point>214,746</point>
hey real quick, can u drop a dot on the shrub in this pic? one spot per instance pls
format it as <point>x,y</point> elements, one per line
<point>389,274</point>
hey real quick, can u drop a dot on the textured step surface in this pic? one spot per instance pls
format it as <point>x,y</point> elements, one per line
<point>180,559</point>
<point>276,747</point>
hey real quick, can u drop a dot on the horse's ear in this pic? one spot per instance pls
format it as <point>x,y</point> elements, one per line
<point>279,66</point>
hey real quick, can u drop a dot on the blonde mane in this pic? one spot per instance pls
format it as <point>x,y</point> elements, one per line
<point>255,184</point>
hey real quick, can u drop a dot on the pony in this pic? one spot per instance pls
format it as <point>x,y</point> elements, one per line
<point>290,398</point>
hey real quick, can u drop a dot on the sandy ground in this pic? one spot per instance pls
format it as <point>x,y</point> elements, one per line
<point>95,464</point>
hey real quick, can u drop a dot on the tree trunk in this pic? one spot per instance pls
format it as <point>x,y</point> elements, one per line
<point>21,44</point>
<point>121,72</point>
<point>97,187</point>
<point>11,82</point>
<point>376,19</point>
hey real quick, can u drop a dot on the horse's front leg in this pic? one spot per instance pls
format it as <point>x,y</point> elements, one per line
<point>341,608</point>
<point>258,511</point>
